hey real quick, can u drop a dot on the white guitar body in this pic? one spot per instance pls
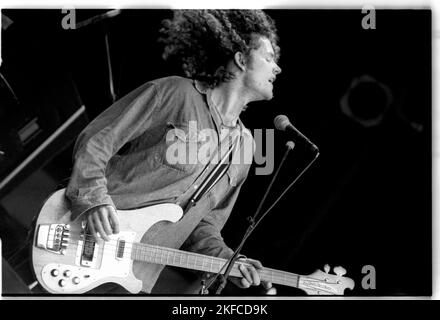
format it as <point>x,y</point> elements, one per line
<point>63,268</point>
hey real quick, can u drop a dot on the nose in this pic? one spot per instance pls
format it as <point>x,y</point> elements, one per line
<point>277,69</point>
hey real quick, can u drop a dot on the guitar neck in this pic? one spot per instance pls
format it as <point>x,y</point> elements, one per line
<point>200,262</point>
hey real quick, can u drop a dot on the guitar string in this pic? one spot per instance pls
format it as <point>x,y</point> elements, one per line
<point>144,247</point>
<point>147,247</point>
<point>111,243</point>
<point>153,251</point>
<point>156,257</point>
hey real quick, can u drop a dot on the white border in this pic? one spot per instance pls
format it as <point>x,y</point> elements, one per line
<point>310,4</point>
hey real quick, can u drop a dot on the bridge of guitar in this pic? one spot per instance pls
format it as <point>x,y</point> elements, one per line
<point>53,237</point>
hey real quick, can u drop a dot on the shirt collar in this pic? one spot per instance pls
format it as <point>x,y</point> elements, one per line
<point>201,87</point>
<point>204,89</point>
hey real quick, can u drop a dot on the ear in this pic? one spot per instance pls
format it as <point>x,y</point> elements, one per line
<point>240,60</point>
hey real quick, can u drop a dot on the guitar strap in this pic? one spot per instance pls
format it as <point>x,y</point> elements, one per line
<point>217,172</point>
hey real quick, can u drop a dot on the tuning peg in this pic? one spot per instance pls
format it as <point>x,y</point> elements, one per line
<point>326,268</point>
<point>339,271</point>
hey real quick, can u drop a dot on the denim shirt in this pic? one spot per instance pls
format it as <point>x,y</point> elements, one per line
<point>120,160</point>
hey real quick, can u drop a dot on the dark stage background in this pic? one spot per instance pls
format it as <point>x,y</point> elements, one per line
<point>367,199</point>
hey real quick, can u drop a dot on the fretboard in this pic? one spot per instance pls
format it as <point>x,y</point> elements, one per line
<point>200,262</point>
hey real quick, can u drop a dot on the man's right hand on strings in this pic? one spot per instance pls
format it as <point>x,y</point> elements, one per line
<point>102,220</point>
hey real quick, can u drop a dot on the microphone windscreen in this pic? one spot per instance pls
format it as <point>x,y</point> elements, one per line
<point>281,122</point>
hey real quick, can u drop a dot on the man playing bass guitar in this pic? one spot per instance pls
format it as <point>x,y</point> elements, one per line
<point>123,159</point>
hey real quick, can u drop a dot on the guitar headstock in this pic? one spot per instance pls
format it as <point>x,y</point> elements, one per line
<point>325,283</point>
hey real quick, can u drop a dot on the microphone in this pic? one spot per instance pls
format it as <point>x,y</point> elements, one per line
<point>282,123</point>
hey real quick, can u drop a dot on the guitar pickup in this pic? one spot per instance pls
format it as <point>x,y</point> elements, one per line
<point>87,248</point>
<point>120,249</point>
<point>87,251</point>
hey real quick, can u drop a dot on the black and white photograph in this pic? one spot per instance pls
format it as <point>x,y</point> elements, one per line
<point>242,153</point>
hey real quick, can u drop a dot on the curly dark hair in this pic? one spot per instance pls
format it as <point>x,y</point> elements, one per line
<point>204,41</point>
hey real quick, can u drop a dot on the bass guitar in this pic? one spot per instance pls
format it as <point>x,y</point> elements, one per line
<point>67,260</point>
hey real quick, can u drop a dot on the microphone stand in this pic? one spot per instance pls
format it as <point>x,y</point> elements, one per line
<point>252,224</point>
